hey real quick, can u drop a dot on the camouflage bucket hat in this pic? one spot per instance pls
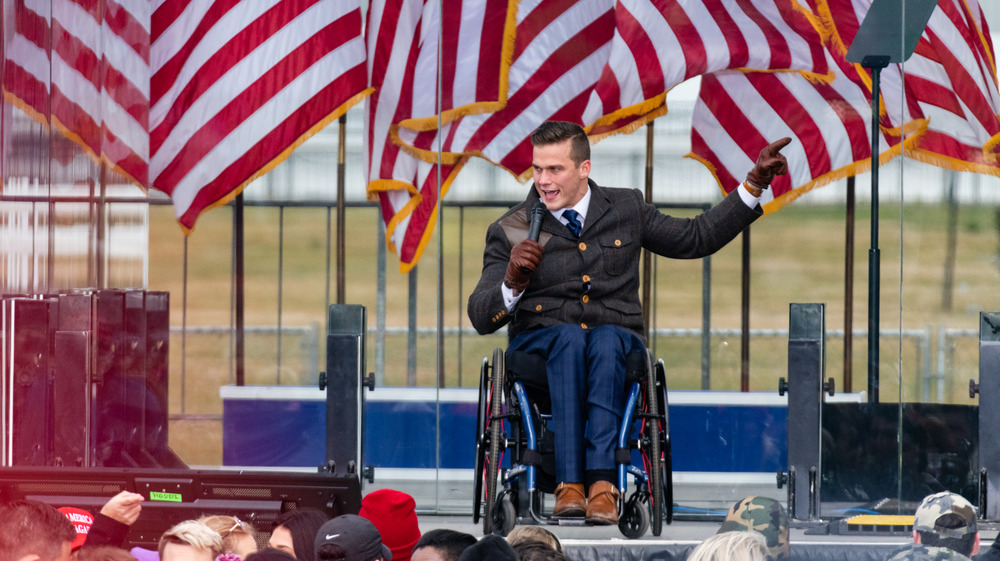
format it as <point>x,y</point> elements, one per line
<point>933,507</point>
<point>926,553</point>
<point>764,516</point>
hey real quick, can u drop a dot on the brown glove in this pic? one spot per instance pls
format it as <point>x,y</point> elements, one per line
<point>524,259</point>
<point>770,162</point>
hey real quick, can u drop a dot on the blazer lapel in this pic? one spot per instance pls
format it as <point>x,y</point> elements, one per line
<point>599,205</point>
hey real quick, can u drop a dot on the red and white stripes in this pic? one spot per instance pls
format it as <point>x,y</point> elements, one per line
<point>237,85</point>
<point>660,43</point>
<point>947,112</point>
<point>82,65</point>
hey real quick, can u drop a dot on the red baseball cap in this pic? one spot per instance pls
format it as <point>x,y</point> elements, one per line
<point>82,521</point>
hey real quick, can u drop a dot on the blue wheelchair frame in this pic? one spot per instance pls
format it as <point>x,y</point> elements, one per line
<point>500,514</point>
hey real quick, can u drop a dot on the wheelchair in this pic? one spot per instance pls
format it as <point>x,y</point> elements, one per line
<point>512,417</point>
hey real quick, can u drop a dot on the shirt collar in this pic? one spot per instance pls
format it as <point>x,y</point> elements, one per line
<point>580,207</point>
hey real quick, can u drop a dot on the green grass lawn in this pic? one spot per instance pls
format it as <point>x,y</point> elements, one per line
<point>797,255</point>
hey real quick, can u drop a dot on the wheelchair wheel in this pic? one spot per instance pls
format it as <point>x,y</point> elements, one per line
<point>504,516</point>
<point>481,438</point>
<point>634,520</point>
<point>494,433</point>
<point>651,448</point>
<point>663,406</point>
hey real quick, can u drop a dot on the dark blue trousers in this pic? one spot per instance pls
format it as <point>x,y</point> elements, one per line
<point>586,374</point>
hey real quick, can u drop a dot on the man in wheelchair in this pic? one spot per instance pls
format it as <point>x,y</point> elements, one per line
<point>571,294</point>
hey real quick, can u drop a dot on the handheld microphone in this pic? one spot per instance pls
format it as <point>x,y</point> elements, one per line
<point>537,215</point>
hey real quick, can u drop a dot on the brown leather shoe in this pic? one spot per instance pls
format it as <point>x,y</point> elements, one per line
<point>569,500</point>
<point>602,505</point>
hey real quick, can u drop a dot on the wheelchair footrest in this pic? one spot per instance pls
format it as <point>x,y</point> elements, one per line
<point>572,521</point>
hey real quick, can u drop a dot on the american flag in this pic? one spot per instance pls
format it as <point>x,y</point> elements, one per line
<point>559,51</point>
<point>236,86</point>
<point>661,43</point>
<point>402,63</point>
<point>948,114</point>
<point>192,97</point>
<point>82,66</point>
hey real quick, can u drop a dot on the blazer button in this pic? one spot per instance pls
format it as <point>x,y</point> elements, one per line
<point>583,246</point>
<point>586,298</point>
<point>586,278</point>
<point>538,308</point>
<point>583,325</point>
<point>618,243</point>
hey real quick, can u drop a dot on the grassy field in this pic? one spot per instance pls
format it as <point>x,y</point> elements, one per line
<point>797,255</point>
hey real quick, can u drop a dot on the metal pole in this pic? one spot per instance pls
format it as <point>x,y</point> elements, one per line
<point>240,296</point>
<point>341,167</point>
<point>281,268</point>
<point>329,254</point>
<point>706,323</point>
<point>874,273</point>
<point>411,333</point>
<point>461,266</point>
<point>745,316</point>
<point>849,288</point>
<point>647,256</point>
<point>380,303</point>
<point>101,232</point>
<point>948,284</point>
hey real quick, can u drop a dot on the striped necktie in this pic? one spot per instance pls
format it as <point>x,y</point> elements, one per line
<point>574,221</point>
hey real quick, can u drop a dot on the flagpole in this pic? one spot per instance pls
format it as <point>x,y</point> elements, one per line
<point>647,260</point>
<point>849,289</point>
<point>341,206</point>
<point>745,314</point>
<point>238,283</point>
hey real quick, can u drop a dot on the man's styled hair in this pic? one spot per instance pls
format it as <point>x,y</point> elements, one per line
<point>554,132</point>
<point>962,545</point>
<point>195,534</point>
<point>448,543</point>
<point>33,528</point>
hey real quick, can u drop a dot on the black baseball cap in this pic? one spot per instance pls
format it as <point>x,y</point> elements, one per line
<point>357,536</point>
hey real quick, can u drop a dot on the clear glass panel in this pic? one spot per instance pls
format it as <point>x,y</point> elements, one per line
<point>68,227</point>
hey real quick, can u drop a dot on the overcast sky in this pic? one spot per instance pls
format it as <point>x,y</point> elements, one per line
<point>992,10</point>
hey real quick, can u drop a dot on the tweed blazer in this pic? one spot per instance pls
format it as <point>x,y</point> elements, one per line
<point>594,279</point>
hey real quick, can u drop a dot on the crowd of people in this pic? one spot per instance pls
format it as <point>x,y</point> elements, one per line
<point>386,529</point>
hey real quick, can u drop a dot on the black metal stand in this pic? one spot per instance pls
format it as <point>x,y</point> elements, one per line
<point>876,63</point>
<point>889,33</point>
<point>988,389</point>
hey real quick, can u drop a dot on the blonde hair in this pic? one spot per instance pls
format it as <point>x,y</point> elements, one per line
<point>732,546</point>
<point>194,534</point>
<point>523,534</point>
<point>230,528</point>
